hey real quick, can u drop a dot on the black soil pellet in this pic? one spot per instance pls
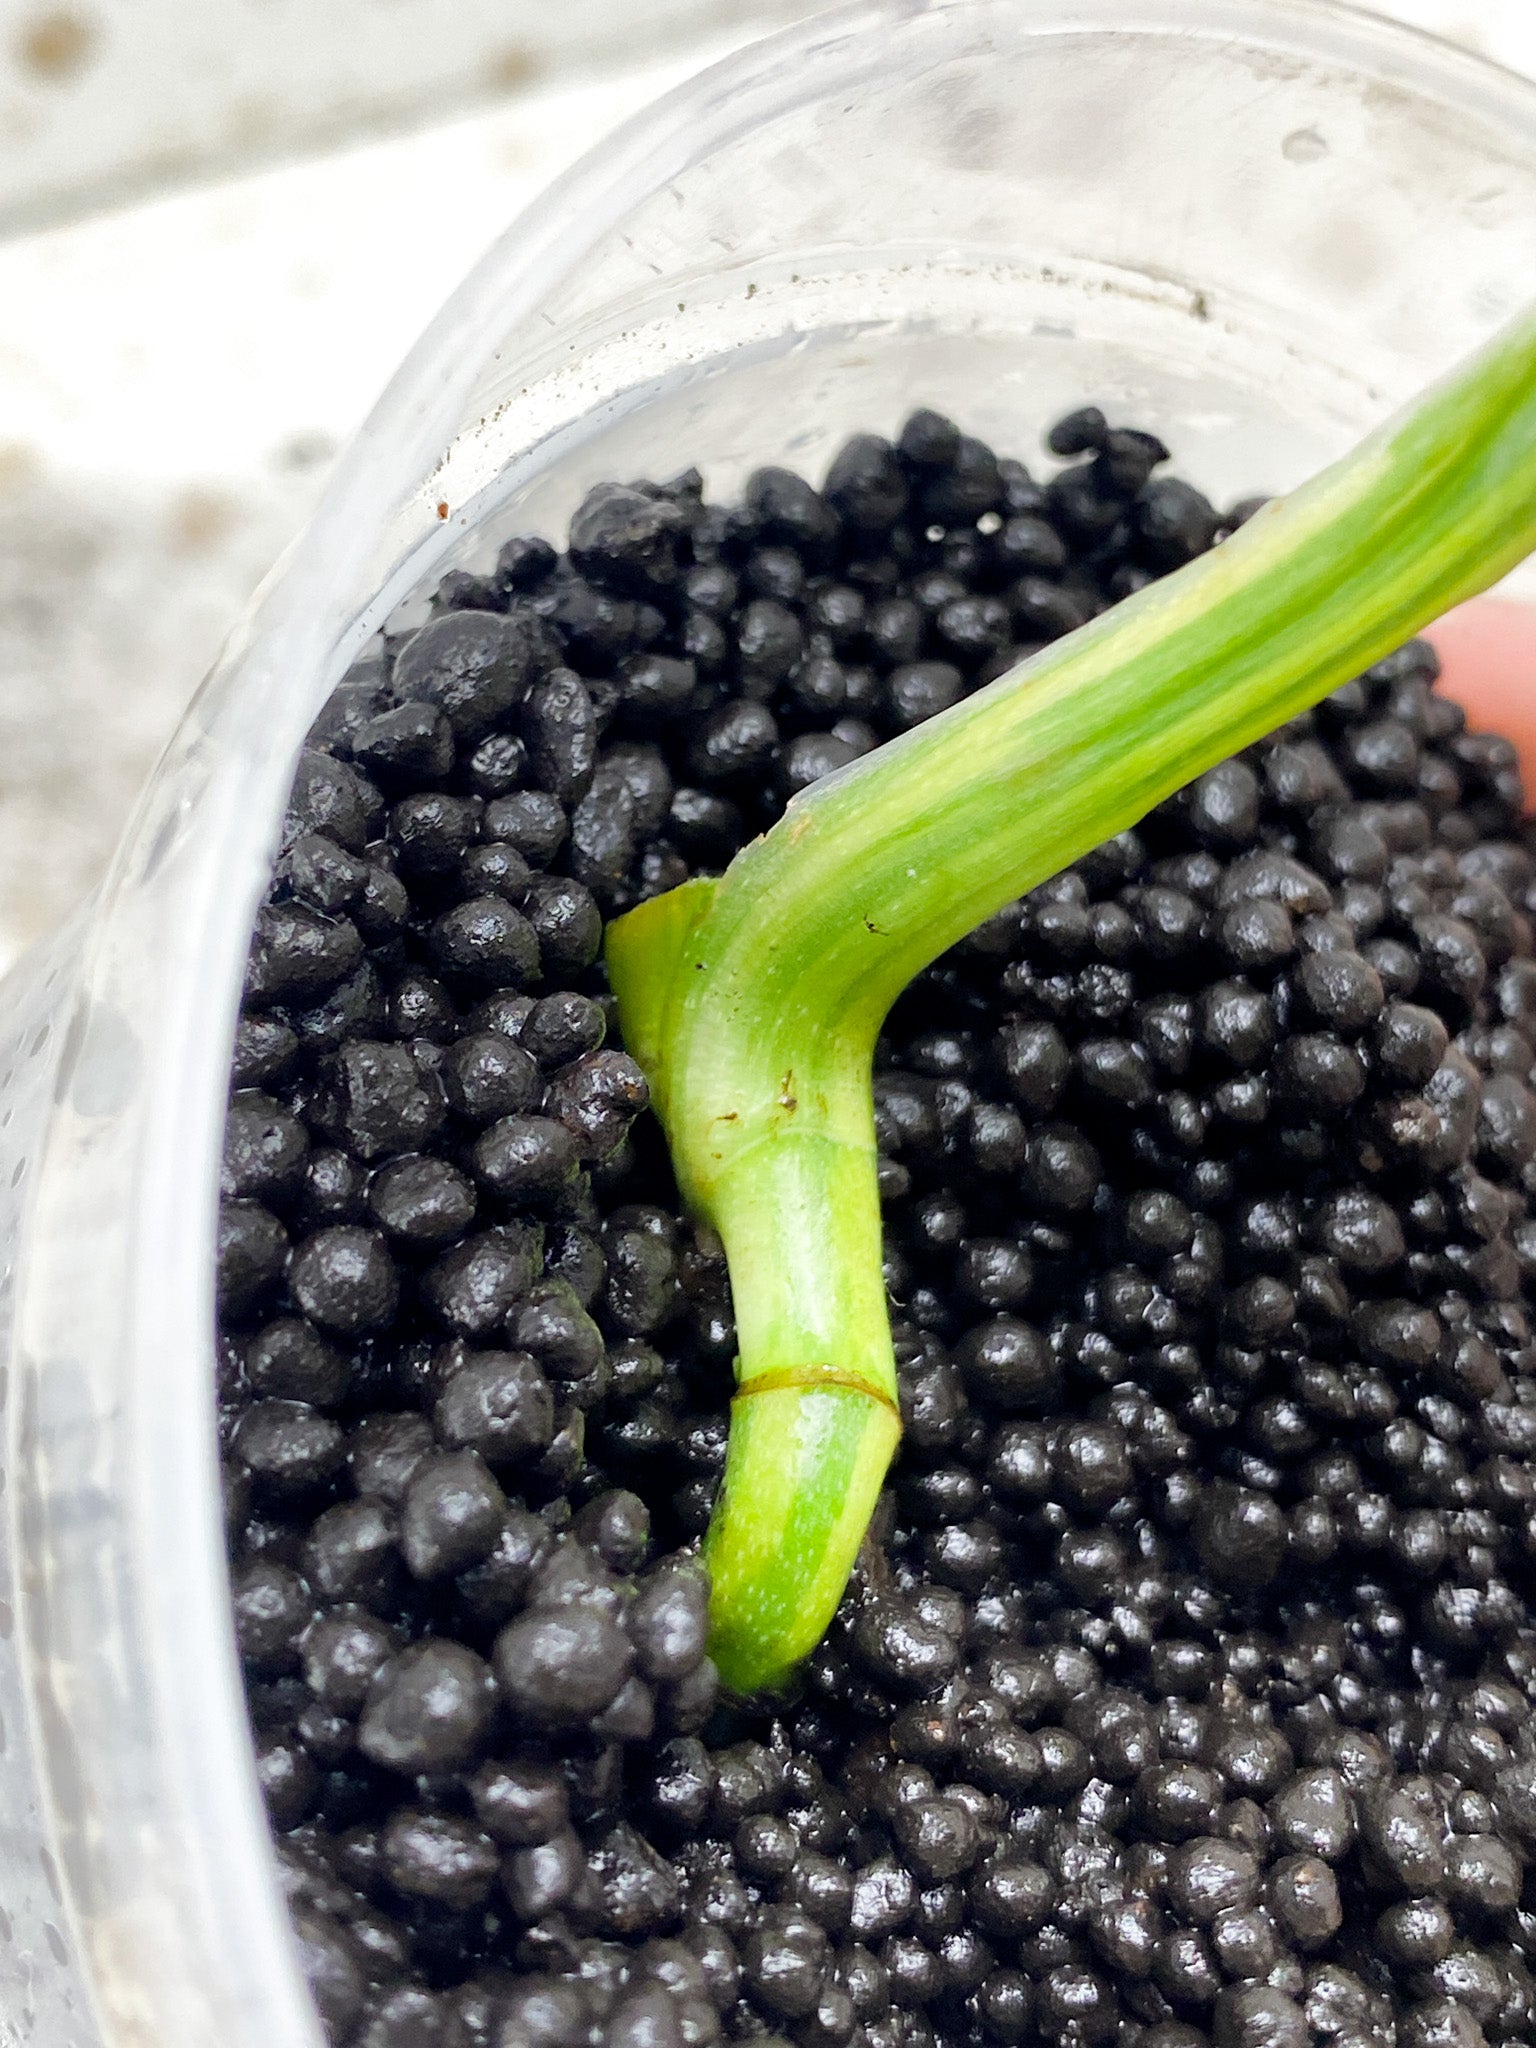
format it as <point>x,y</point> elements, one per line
<point>1185,1695</point>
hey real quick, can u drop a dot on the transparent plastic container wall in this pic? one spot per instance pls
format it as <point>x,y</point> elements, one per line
<point>1253,226</point>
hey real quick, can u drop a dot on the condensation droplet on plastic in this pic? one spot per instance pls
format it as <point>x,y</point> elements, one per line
<point>1489,208</point>
<point>1303,146</point>
<point>1491,302</point>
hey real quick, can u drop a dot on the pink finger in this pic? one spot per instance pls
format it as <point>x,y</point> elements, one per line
<point>1487,652</point>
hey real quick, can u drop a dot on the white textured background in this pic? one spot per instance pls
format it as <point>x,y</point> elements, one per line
<point>176,374</point>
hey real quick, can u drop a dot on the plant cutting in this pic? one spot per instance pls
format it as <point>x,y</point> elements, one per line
<point>753,1001</point>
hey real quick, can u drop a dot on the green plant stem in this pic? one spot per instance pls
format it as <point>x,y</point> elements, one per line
<point>753,1002</point>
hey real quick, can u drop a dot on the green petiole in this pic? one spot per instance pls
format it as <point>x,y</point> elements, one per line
<point>753,1002</point>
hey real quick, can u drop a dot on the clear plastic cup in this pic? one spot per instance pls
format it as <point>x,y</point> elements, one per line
<point>1253,226</point>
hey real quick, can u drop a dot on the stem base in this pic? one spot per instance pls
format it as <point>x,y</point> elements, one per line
<point>802,1476</point>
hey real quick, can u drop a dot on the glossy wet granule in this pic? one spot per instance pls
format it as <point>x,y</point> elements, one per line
<point>1185,1695</point>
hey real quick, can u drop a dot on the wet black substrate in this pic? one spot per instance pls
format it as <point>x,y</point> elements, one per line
<point>1188,1697</point>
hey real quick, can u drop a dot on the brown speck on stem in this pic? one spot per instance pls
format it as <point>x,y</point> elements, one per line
<point>511,68</point>
<point>442,508</point>
<point>200,518</point>
<point>19,465</point>
<point>56,45</point>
